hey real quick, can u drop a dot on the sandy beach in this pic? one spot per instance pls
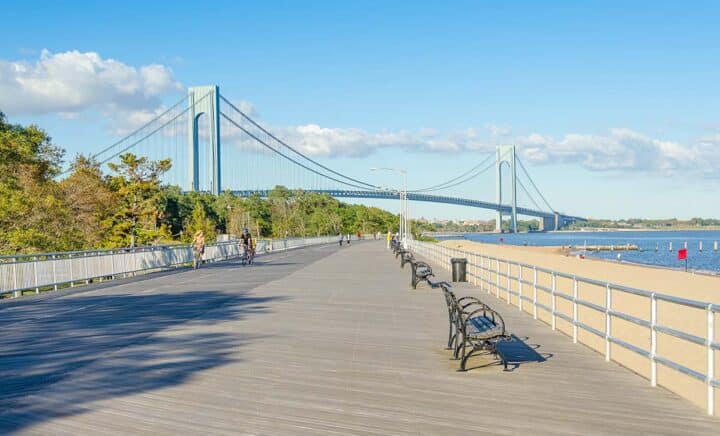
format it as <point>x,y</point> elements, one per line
<point>677,283</point>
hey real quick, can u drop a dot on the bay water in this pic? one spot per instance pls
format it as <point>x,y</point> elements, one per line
<point>654,246</point>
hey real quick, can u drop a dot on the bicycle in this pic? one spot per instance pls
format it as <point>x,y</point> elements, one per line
<point>248,256</point>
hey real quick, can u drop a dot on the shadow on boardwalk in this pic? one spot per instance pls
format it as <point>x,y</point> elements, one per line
<point>517,352</point>
<point>98,347</point>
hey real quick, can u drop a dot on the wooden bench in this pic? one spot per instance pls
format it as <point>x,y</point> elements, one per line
<point>474,326</point>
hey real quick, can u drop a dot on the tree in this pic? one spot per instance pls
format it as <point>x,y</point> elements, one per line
<point>200,221</point>
<point>137,184</point>
<point>260,214</point>
<point>33,214</point>
<point>91,201</point>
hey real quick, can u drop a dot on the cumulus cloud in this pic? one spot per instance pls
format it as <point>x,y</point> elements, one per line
<point>315,140</point>
<point>620,150</point>
<point>623,149</point>
<point>73,81</point>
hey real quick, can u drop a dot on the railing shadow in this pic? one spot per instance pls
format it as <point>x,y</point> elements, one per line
<point>59,355</point>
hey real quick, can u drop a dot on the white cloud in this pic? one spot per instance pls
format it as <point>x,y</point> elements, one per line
<point>315,140</point>
<point>497,131</point>
<point>620,150</point>
<point>73,81</point>
<point>623,150</point>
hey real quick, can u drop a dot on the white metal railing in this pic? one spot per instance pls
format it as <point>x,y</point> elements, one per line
<point>53,270</point>
<point>487,273</point>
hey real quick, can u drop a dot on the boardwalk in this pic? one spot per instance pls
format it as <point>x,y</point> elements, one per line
<point>315,341</point>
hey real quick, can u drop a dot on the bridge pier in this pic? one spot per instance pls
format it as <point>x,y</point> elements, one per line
<point>204,100</point>
<point>506,155</point>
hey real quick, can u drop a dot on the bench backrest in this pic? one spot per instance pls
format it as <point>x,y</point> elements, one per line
<point>457,311</point>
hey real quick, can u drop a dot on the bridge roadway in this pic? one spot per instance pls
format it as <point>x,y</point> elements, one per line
<point>564,220</point>
<point>314,341</point>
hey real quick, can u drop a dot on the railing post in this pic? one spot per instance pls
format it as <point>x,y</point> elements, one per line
<point>486,271</point>
<point>710,360</point>
<point>575,310</point>
<point>72,281</point>
<point>15,279</point>
<point>520,287</point>
<point>475,269</point>
<point>113,255</point>
<point>35,271</point>
<point>553,319</point>
<point>653,340</point>
<point>534,292</point>
<point>497,278</point>
<point>54,267</point>
<point>87,274</point>
<point>608,319</point>
<point>509,283</point>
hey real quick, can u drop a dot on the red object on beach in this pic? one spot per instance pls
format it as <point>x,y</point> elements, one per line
<point>682,254</point>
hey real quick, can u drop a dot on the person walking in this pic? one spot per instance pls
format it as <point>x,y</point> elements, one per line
<point>389,238</point>
<point>198,248</point>
<point>341,239</point>
<point>348,238</point>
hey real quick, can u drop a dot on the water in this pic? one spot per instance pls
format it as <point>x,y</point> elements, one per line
<point>654,245</point>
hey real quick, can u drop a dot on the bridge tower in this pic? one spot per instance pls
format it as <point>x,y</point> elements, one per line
<point>204,100</point>
<point>506,155</point>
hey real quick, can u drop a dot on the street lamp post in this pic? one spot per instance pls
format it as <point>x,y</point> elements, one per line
<point>404,219</point>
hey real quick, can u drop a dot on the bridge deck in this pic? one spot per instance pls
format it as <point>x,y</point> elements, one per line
<point>313,341</point>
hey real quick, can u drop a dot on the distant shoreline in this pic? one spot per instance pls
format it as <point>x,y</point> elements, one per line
<point>584,230</point>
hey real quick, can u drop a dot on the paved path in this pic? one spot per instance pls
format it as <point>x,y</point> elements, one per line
<point>313,341</point>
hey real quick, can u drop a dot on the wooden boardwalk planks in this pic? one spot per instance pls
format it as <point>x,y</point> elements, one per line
<point>314,341</point>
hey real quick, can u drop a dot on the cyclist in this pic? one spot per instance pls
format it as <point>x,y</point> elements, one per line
<point>198,247</point>
<point>248,245</point>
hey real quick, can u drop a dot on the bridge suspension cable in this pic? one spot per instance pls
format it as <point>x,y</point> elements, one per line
<point>466,177</point>
<point>522,186</point>
<point>349,181</point>
<point>134,133</point>
<point>268,146</point>
<point>534,185</point>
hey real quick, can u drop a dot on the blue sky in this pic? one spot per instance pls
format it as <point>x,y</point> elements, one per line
<point>614,106</point>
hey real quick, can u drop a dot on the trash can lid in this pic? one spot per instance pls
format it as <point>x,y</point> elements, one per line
<point>458,260</point>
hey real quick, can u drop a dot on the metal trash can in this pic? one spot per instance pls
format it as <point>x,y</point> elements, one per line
<point>459,267</point>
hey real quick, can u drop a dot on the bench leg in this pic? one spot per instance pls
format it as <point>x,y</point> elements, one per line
<point>465,358</point>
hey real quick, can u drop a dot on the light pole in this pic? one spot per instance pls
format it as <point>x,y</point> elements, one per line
<point>404,220</point>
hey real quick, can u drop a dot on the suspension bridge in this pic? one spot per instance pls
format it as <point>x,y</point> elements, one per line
<point>318,338</point>
<point>215,146</point>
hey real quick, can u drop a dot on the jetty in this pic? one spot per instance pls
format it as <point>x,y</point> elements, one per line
<point>623,247</point>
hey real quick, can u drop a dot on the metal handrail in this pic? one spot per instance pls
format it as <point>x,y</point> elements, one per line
<point>52,270</point>
<point>489,279</point>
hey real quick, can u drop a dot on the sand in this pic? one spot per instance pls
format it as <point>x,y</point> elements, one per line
<point>677,283</point>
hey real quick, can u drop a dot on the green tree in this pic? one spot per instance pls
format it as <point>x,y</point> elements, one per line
<point>91,201</point>
<point>200,221</point>
<point>137,184</point>
<point>33,213</point>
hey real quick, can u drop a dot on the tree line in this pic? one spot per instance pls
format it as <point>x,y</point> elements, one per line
<point>43,209</point>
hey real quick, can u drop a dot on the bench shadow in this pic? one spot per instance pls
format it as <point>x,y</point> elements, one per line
<point>517,352</point>
<point>58,356</point>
